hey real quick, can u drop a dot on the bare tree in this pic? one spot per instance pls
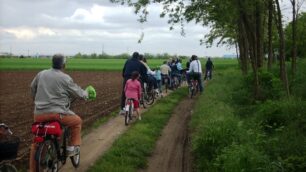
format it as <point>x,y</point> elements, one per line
<point>296,5</point>
<point>283,73</point>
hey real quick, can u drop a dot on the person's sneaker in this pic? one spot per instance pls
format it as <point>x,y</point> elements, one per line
<point>139,117</point>
<point>74,151</point>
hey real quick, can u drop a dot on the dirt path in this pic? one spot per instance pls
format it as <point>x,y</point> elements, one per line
<point>172,152</point>
<point>97,142</point>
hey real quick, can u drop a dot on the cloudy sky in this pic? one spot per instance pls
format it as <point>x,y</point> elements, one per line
<point>93,26</point>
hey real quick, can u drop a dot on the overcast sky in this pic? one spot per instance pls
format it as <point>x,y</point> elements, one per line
<point>93,26</point>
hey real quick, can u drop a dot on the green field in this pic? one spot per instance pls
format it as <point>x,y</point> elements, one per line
<point>91,64</point>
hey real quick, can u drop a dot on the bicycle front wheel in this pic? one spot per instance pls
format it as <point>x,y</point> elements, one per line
<point>46,157</point>
<point>8,168</point>
<point>75,160</point>
<point>126,118</point>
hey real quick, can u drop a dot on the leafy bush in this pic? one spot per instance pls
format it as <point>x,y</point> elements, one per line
<point>242,158</point>
<point>298,85</point>
<point>213,136</point>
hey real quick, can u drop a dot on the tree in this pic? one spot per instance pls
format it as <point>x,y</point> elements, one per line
<point>234,22</point>
<point>283,73</point>
<point>270,46</point>
<point>296,5</point>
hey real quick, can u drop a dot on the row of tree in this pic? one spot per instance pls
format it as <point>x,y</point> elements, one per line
<point>125,56</point>
<point>254,26</point>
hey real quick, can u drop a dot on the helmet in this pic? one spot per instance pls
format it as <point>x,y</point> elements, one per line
<point>91,92</point>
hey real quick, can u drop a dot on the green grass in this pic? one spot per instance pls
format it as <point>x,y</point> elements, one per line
<point>232,132</point>
<point>92,64</point>
<point>130,151</point>
<point>72,64</point>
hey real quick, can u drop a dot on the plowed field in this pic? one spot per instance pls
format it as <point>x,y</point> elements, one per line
<point>16,104</point>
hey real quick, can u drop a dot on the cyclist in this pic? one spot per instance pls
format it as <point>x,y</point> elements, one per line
<point>165,72</point>
<point>152,82</point>
<point>209,66</point>
<point>131,65</point>
<point>133,90</point>
<point>158,78</point>
<point>195,71</point>
<point>51,90</point>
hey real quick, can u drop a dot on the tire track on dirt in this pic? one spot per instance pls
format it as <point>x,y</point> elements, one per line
<point>172,152</point>
<point>97,142</point>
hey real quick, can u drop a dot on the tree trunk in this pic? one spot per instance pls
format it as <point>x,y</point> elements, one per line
<point>249,24</point>
<point>243,48</point>
<point>283,73</point>
<point>259,35</point>
<point>294,46</point>
<point>270,48</point>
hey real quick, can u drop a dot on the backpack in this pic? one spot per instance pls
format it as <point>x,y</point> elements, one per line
<point>174,68</point>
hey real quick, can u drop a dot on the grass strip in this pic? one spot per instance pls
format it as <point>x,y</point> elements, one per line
<point>130,151</point>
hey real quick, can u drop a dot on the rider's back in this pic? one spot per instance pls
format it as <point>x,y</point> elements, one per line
<point>52,92</point>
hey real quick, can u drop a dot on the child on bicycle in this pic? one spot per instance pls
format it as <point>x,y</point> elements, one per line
<point>158,78</point>
<point>133,90</point>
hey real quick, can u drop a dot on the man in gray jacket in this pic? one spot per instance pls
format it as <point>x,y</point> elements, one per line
<point>51,90</point>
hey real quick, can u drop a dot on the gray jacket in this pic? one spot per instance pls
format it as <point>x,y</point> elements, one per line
<point>52,89</point>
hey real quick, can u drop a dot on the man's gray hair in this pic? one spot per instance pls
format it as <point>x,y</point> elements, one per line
<point>58,61</point>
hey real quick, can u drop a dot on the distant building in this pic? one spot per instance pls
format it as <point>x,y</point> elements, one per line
<point>5,54</point>
<point>231,56</point>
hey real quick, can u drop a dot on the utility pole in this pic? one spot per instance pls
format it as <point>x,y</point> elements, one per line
<point>102,49</point>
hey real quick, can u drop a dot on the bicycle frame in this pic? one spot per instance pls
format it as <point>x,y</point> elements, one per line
<point>129,108</point>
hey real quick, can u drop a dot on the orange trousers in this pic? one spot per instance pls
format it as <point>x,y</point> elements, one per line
<point>74,122</point>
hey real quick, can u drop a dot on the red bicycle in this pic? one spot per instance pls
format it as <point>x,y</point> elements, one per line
<point>52,139</point>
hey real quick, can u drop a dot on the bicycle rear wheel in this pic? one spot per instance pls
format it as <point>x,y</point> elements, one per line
<point>46,157</point>
<point>190,90</point>
<point>149,98</point>
<point>175,83</point>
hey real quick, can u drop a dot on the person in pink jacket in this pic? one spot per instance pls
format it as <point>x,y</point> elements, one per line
<point>133,90</point>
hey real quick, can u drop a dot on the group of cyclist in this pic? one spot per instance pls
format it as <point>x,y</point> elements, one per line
<point>52,90</point>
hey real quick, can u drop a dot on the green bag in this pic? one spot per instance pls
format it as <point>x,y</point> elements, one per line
<point>91,92</point>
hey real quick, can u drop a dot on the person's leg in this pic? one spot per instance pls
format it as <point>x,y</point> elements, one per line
<point>74,122</point>
<point>122,103</point>
<point>205,76</point>
<point>32,157</point>
<point>188,76</point>
<point>159,84</point>
<point>199,78</point>
<point>136,107</point>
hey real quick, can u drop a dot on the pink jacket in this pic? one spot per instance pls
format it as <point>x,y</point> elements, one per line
<point>132,89</point>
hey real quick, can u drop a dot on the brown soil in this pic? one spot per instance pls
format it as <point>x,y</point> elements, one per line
<point>172,151</point>
<point>16,104</point>
<point>16,110</point>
